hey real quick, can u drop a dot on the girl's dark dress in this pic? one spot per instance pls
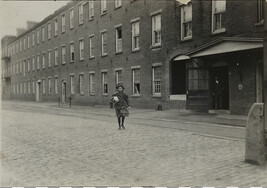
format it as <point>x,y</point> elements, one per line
<point>121,105</point>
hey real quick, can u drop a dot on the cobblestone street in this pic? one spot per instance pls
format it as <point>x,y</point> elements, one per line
<point>49,146</point>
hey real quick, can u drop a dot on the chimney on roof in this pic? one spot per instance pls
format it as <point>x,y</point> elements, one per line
<point>20,31</point>
<point>30,24</point>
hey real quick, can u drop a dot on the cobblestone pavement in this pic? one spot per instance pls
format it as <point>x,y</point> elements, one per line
<point>46,147</point>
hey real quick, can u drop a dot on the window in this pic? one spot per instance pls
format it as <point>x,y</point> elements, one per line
<point>33,87</point>
<point>103,6</point>
<point>156,30</point>
<point>91,47</point>
<point>49,30</point>
<point>43,83</point>
<point>33,63</point>
<point>92,83</point>
<point>29,87</point>
<point>135,35</point>
<point>63,55</point>
<point>104,43</point>
<point>118,76</point>
<point>38,62</point>
<point>81,14</point>
<point>56,27</point>
<point>24,67</point>
<point>17,68</point>
<point>43,33</point>
<point>20,88</point>
<point>72,86</point>
<point>55,84</point>
<point>81,48</point>
<point>56,57</point>
<point>17,88</point>
<point>25,87</point>
<point>218,16</point>
<point>29,65</point>
<point>33,39</point>
<point>43,60</point>
<point>20,46</point>
<point>118,39</point>
<point>38,36</point>
<point>81,89</point>
<point>104,83</point>
<point>21,65</point>
<point>91,9</point>
<point>71,18</point>
<point>49,86</point>
<point>156,80</point>
<point>260,4</point>
<point>117,3</point>
<point>49,58</point>
<point>28,41</point>
<point>186,22</point>
<point>63,22</point>
<point>71,52</point>
<point>136,81</point>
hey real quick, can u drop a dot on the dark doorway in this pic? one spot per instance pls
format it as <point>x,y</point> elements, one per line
<point>220,88</point>
<point>178,71</point>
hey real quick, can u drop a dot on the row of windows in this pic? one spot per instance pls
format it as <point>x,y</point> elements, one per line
<point>29,86</point>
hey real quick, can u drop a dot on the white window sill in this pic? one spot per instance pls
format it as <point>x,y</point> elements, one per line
<point>260,23</point>
<point>155,46</point>
<point>219,31</point>
<point>136,50</point>
<point>104,55</point>
<point>93,57</point>
<point>186,38</point>
<point>103,13</point>
<point>136,95</point>
<point>91,18</point>
<point>156,95</point>
<point>105,94</point>
<point>92,94</point>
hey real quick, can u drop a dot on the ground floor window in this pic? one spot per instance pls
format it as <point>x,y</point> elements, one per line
<point>156,79</point>
<point>72,85</point>
<point>29,87</point>
<point>136,81</point>
<point>43,83</point>
<point>56,85</point>
<point>49,86</point>
<point>81,89</point>
<point>104,83</point>
<point>92,83</point>
<point>33,87</point>
<point>118,76</point>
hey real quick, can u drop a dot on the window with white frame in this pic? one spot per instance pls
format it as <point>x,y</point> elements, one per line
<point>29,87</point>
<point>28,41</point>
<point>91,9</point>
<point>118,39</point>
<point>103,6</point>
<point>117,3</point>
<point>49,86</point>
<point>33,39</point>
<point>38,36</point>
<point>63,55</point>
<point>186,21</point>
<point>38,62</point>
<point>17,68</point>
<point>24,67</point>
<point>33,63</point>
<point>17,88</point>
<point>260,16</point>
<point>72,86</point>
<point>43,60</point>
<point>25,87</point>
<point>156,80</point>
<point>49,58</point>
<point>63,23</point>
<point>33,87</point>
<point>21,88</point>
<point>20,45</point>
<point>91,47</point>
<point>104,82</point>
<point>156,30</point>
<point>104,43</point>
<point>43,33</point>
<point>80,9</point>
<point>81,88</point>
<point>92,83</point>
<point>49,30</point>
<point>43,83</point>
<point>72,52</point>
<point>135,35</point>
<point>56,85</point>
<point>81,49</point>
<point>218,15</point>
<point>56,57</point>
<point>71,18</point>
<point>29,65</point>
<point>56,27</point>
<point>136,81</point>
<point>118,77</point>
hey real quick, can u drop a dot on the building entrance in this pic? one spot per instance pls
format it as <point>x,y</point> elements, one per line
<point>38,88</point>
<point>63,91</point>
<point>219,84</point>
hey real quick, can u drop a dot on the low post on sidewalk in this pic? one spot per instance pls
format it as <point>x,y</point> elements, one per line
<point>70,98</point>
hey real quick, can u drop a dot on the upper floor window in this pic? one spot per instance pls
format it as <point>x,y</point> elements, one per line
<point>33,63</point>
<point>156,30</point>
<point>63,23</point>
<point>56,27</point>
<point>20,46</point>
<point>91,47</point>
<point>56,57</point>
<point>49,58</point>
<point>32,38</point>
<point>81,14</point>
<point>118,39</point>
<point>63,55</point>
<point>260,4</point>
<point>38,36</point>
<point>186,22</point>
<point>81,48</point>
<point>91,9</point>
<point>38,62</point>
<point>43,33</point>
<point>72,52</point>
<point>49,30</point>
<point>117,3</point>
<point>104,43</point>
<point>218,16</point>
<point>103,6</point>
<point>43,60</point>
<point>28,41</point>
<point>135,35</point>
<point>71,18</point>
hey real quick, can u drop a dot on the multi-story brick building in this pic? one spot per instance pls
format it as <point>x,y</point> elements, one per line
<point>162,51</point>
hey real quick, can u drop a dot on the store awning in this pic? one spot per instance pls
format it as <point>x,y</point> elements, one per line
<point>223,45</point>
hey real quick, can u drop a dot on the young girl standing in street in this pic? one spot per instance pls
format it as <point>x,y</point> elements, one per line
<point>121,103</point>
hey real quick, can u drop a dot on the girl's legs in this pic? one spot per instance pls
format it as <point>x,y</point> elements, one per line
<point>119,122</point>
<point>123,118</point>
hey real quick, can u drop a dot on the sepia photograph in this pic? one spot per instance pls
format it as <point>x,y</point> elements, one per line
<point>133,93</point>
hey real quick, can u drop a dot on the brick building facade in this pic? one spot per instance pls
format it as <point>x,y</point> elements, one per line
<point>86,47</point>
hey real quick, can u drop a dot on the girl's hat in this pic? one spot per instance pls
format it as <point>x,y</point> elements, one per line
<point>119,85</point>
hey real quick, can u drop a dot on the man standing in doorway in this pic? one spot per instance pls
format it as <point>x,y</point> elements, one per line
<point>217,93</point>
